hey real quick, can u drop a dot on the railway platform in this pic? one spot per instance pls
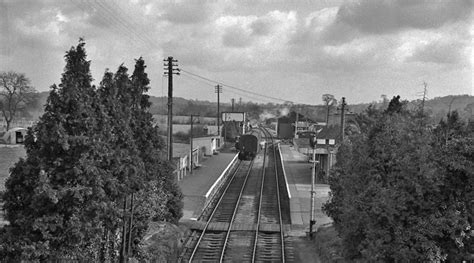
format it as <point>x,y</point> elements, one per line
<point>298,175</point>
<point>197,186</point>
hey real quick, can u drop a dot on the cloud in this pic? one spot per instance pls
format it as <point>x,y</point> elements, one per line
<point>268,40</point>
<point>254,42</point>
<point>384,17</point>
<point>271,22</point>
<point>236,36</point>
<point>187,12</point>
<point>439,52</point>
<point>261,27</point>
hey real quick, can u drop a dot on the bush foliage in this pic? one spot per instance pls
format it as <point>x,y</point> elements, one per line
<point>401,191</point>
<point>93,153</point>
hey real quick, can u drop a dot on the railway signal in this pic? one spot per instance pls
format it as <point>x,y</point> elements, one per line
<point>218,90</point>
<point>343,112</point>
<point>191,142</point>
<point>314,142</point>
<point>312,220</point>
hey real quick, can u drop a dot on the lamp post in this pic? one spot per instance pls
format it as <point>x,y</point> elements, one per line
<point>191,142</point>
<point>312,221</point>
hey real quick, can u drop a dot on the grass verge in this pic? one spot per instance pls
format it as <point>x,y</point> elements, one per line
<point>329,244</point>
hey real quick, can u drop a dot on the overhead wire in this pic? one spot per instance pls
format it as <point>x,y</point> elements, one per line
<point>124,25</point>
<point>115,18</point>
<point>233,87</point>
<point>243,94</point>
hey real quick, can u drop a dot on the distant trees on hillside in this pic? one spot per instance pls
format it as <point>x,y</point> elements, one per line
<point>401,192</point>
<point>95,173</point>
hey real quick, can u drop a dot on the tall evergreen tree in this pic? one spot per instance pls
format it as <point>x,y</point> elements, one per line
<point>161,199</point>
<point>93,153</point>
<point>51,195</point>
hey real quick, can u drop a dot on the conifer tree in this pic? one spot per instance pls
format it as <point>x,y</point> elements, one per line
<point>161,198</point>
<point>153,191</point>
<point>52,195</point>
<point>93,154</point>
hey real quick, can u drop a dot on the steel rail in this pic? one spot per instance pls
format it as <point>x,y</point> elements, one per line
<point>235,212</point>
<point>215,208</point>
<point>254,251</point>
<point>279,203</point>
<point>278,200</point>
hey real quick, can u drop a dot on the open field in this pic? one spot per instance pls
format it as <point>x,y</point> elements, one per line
<point>8,157</point>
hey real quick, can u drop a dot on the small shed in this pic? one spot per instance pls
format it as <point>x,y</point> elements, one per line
<point>285,129</point>
<point>15,136</point>
<point>208,145</point>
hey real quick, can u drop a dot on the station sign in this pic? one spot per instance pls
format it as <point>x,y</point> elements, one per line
<point>325,141</point>
<point>315,142</point>
<point>233,116</point>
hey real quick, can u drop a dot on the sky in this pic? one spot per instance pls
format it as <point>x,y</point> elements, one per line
<point>259,50</point>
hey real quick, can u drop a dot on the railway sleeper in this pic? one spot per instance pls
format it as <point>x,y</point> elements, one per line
<point>221,226</point>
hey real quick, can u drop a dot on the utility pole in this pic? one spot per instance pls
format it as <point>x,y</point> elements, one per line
<point>171,68</point>
<point>232,100</point>
<point>191,142</point>
<point>343,111</point>
<point>425,85</point>
<point>296,124</point>
<point>312,220</point>
<point>218,90</point>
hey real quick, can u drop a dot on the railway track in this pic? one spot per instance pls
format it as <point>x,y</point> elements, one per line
<point>246,223</point>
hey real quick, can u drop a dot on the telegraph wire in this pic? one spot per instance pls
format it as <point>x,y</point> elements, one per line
<point>243,94</point>
<point>124,26</point>
<point>234,87</point>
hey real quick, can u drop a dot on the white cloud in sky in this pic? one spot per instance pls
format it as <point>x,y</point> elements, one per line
<point>268,46</point>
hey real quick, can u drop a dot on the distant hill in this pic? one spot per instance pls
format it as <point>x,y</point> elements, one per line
<point>437,107</point>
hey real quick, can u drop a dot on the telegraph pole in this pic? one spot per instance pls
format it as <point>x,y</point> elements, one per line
<point>425,85</point>
<point>218,90</point>
<point>171,69</point>
<point>312,220</point>
<point>296,124</point>
<point>191,142</point>
<point>343,111</point>
<point>233,100</point>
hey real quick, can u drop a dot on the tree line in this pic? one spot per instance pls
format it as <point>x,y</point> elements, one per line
<point>402,191</point>
<point>95,174</point>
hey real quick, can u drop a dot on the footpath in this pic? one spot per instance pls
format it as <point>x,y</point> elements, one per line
<point>298,175</point>
<point>196,187</point>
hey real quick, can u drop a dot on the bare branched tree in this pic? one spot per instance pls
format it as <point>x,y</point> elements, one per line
<point>15,94</point>
<point>329,100</point>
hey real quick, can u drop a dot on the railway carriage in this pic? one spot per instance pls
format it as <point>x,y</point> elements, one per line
<point>249,145</point>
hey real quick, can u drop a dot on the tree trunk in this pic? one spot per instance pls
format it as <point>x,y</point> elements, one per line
<point>129,252</point>
<point>123,251</point>
<point>8,123</point>
<point>105,245</point>
<point>327,114</point>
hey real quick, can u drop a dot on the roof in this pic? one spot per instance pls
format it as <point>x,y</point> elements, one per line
<point>330,132</point>
<point>291,117</point>
<point>16,129</point>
